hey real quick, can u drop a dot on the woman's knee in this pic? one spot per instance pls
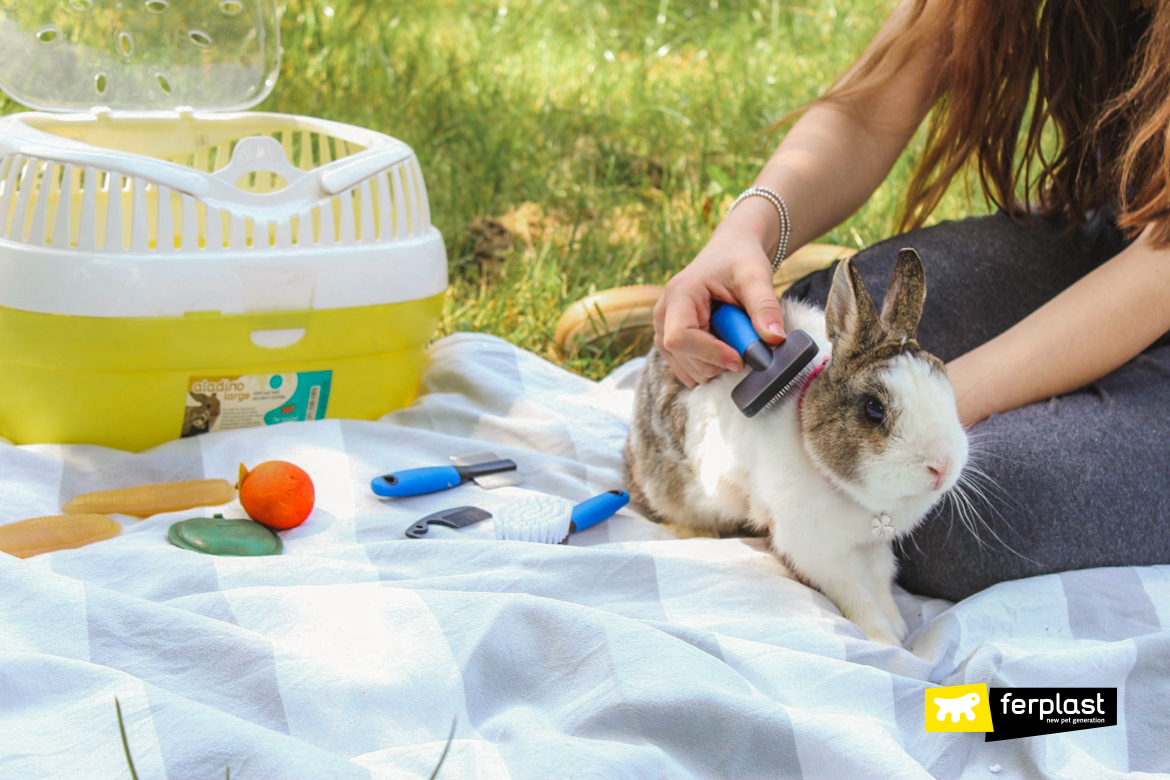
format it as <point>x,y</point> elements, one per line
<point>983,274</point>
<point>1072,483</point>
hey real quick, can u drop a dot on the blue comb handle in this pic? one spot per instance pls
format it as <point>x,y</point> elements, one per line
<point>592,511</point>
<point>416,482</point>
<point>732,325</point>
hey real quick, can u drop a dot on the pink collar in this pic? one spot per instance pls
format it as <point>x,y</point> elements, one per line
<point>804,388</point>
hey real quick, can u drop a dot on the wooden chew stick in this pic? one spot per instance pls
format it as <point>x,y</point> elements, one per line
<point>62,532</point>
<point>147,500</point>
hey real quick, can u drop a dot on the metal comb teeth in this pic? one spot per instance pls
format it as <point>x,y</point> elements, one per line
<point>792,388</point>
<point>765,383</point>
<point>488,481</point>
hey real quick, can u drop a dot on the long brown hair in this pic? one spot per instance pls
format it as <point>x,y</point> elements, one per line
<point>1087,69</point>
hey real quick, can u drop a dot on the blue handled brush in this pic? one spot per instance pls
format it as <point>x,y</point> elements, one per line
<point>774,372</point>
<point>550,520</point>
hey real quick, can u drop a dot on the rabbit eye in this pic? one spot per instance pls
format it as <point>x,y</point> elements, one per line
<point>875,411</point>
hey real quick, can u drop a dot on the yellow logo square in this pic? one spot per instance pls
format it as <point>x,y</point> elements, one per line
<point>958,708</point>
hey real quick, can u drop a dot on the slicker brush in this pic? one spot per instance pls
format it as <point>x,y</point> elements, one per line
<point>774,372</point>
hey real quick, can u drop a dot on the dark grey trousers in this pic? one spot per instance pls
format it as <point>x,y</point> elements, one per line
<point>1079,481</point>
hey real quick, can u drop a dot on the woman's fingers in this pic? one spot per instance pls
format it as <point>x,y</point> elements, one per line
<point>683,375</point>
<point>753,286</point>
<point>703,372</point>
<point>767,318</point>
<point>679,370</point>
<point>692,353</point>
<point>690,372</point>
<point>683,331</point>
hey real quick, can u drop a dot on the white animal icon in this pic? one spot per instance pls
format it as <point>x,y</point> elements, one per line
<point>960,705</point>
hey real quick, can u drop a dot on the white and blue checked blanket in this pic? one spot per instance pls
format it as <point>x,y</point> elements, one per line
<point>627,654</point>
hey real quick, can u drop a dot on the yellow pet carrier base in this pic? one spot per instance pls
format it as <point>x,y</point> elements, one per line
<point>127,382</point>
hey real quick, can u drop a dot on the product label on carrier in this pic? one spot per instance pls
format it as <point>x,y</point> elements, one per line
<point>228,403</point>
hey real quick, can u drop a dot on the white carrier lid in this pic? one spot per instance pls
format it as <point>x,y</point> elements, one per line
<point>117,208</point>
<point>139,55</point>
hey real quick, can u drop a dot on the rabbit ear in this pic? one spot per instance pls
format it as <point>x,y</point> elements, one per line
<point>902,308</point>
<point>850,316</point>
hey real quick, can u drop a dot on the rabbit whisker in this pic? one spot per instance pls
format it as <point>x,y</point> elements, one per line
<point>969,485</point>
<point>976,475</point>
<point>965,510</point>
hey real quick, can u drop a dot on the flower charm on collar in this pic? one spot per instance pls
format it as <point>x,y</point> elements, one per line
<point>883,527</point>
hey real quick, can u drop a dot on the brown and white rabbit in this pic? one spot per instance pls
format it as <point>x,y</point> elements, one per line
<point>840,467</point>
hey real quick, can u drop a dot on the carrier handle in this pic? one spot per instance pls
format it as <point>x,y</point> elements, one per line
<point>262,153</point>
<point>259,153</point>
<point>363,165</point>
<point>253,154</point>
<point>165,174</point>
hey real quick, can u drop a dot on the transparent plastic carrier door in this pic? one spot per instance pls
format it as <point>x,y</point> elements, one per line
<point>144,190</point>
<point>138,55</point>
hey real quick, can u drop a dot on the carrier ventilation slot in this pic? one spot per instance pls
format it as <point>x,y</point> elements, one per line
<point>44,203</point>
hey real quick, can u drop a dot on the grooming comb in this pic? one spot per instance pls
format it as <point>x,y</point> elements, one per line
<point>774,372</point>
<point>459,517</point>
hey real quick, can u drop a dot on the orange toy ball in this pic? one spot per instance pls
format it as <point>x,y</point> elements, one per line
<point>277,494</point>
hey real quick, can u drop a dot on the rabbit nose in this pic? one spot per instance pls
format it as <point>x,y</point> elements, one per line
<point>939,470</point>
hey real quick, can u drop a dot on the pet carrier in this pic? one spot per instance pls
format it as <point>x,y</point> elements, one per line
<point>171,264</point>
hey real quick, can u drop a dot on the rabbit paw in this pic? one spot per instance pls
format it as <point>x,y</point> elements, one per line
<point>882,634</point>
<point>899,628</point>
<point>896,621</point>
<point>877,628</point>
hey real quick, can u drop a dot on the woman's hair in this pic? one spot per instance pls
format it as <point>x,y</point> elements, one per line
<point>1009,69</point>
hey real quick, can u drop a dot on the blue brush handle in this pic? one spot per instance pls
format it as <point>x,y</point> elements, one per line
<point>416,482</point>
<point>732,325</point>
<point>592,511</point>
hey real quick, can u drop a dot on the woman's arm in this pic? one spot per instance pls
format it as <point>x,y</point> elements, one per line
<point>827,166</point>
<point>1090,329</point>
<point>836,155</point>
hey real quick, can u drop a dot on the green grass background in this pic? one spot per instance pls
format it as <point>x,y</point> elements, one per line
<point>617,128</point>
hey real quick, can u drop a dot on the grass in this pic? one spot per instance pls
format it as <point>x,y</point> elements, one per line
<point>608,135</point>
<point>227,772</point>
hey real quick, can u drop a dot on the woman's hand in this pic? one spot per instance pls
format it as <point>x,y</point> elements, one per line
<point>734,267</point>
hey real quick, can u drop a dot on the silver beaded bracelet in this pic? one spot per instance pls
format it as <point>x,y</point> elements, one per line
<point>774,198</point>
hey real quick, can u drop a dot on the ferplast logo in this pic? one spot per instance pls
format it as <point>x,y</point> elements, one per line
<point>958,708</point>
<point>1012,713</point>
<point>1030,712</point>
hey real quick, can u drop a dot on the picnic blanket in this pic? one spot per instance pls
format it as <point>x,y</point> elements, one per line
<point>626,654</point>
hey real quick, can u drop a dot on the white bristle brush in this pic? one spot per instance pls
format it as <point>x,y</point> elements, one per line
<point>550,520</point>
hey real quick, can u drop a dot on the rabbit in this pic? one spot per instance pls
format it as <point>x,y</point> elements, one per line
<point>838,468</point>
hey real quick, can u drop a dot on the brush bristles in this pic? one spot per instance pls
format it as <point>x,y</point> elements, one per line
<point>544,519</point>
<point>760,390</point>
<point>791,389</point>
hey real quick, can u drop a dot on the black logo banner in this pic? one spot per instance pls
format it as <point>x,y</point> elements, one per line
<point>1030,712</point>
